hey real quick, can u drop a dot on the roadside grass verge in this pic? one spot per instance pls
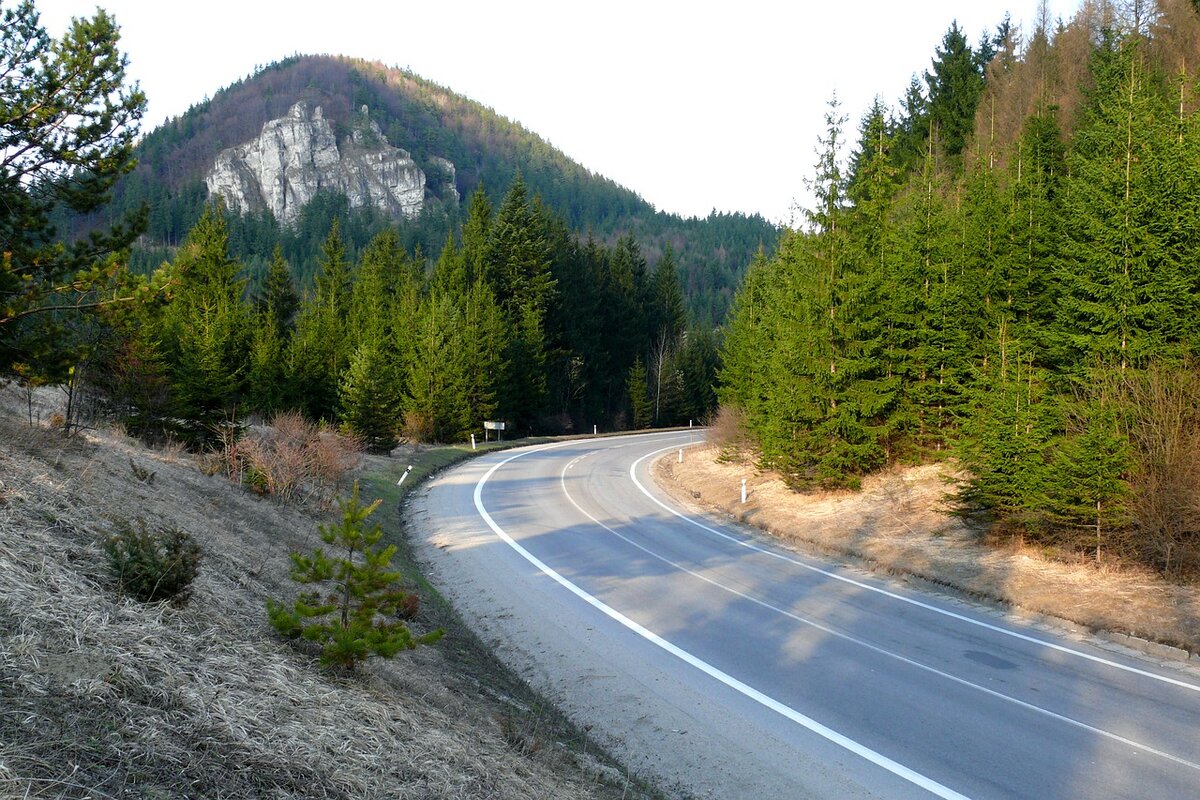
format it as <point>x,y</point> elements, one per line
<point>531,724</point>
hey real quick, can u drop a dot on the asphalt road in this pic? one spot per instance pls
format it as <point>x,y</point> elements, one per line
<point>722,664</point>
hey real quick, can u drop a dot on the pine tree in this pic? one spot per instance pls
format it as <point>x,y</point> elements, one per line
<point>70,124</point>
<point>362,611</point>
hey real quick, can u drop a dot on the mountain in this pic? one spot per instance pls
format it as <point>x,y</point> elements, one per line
<point>445,137</point>
<point>298,156</point>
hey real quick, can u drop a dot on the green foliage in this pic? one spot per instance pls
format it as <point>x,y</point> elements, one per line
<point>67,137</point>
<point>153,565</point>
<point>321,345</point>
<point>368,398</point>
<point>639,396</point>
<point>1016,306</point>
<point>431,122</point>
<point>357,609</point>
<point>205,332</point>
<point>955,85</point>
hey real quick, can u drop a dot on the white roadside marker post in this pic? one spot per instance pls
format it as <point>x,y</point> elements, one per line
<point>405,475</point>
<point>681,455</point>
<point>743,490</point>
<point>472,441</point>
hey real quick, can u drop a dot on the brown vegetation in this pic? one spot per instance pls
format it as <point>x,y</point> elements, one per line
<point>292,460</point>
<point>900,524</point>
<point>1164,431</point>
<point>106,696</point>
<point>1054,70</point>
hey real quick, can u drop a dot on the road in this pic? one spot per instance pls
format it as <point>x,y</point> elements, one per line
<point>722,664</point>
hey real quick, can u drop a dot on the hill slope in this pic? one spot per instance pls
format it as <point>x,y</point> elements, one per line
<point>105,696</point>
<point>431,121</point>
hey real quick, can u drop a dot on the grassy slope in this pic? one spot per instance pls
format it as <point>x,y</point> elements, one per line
<point>102,696</point>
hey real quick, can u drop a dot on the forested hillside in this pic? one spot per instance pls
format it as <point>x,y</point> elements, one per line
<point>521,323</point>
<point>429,121</point>
<point>1006,270</point>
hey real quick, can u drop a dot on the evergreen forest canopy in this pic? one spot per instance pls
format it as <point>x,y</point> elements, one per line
<point>519,322</point>
<point>429,121</point>
<point>1007,271</point>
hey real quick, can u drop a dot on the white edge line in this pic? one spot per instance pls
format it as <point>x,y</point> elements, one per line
<point>911,601</point>
<point>873,648</point>
<point>829,734</point>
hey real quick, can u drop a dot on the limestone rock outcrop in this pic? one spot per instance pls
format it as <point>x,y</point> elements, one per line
<point>299,155</point>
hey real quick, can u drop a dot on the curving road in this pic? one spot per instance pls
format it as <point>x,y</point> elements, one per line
<point>721,664</point>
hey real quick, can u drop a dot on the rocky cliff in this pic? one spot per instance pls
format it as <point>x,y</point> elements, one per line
<point>299,155</point>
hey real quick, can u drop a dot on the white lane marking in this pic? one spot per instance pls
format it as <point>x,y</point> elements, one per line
<point>911,601</point>
<point>874,648</point>
<point>788,712</point>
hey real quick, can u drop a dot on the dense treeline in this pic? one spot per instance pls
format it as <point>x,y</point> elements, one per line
<point>518,320</point>
<point>1028,303</point>
<point>431,122</point>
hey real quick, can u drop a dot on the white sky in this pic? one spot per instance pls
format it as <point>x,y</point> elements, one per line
<point>694,105</point>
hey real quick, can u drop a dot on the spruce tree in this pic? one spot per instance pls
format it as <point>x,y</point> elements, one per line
<point>279,293</point>
<point>518,269</point>
<point>955,86</point>
<point>267,373</point>
<point>639,395</point>
<point>668,319</point>
<point>435,402</point>
<point>205,331</point>
<point>318,350</point>
<point>370,406</point>
<point>1122,287</point>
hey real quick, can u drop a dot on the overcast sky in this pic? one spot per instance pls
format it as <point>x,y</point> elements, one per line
<point>695,106</point>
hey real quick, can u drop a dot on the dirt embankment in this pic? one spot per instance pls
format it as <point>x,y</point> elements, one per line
<point>898,524</point>
<point>102,696</point>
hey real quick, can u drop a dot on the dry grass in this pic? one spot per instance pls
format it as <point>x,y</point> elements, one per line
<point>104,697</point>
<point>292,460</point>
<point>898,524</point>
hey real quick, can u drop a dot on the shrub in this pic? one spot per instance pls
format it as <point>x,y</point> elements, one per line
<point>293,460</point>
<point>727,430</point>
<point>153,565</point>
<point>417,427</point>
<point>358,607</point>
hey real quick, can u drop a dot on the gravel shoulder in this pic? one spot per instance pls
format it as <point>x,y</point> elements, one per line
<point>898,524</point>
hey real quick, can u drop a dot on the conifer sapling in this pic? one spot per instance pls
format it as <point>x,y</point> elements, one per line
<point>358,608</point>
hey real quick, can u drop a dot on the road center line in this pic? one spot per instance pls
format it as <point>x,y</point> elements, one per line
<point>788,712</point>
<point>874,648</point>
<point>911,601</point>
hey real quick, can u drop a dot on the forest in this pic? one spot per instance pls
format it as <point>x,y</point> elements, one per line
<point>430,121</point>
<point>518,321</point>
<point>1006,271</point>
<point>1002,273</point>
